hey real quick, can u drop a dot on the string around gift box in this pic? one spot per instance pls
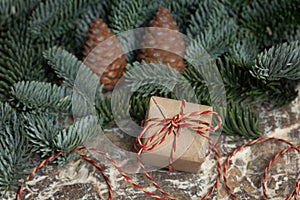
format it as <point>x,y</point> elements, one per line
<point>174,126</point>
<point>176,122</point>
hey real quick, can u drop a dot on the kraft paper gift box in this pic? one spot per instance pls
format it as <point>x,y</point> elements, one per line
<point>191,148</point>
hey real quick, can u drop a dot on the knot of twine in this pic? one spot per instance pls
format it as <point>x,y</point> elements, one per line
<point>175,125</point>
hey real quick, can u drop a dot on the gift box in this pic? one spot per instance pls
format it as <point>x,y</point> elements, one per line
<point>191,147</point>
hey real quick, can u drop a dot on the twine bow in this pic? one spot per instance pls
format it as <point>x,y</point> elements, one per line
<point>175,125</point>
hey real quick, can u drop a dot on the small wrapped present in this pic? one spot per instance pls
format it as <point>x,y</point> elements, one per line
<point>170,137</point>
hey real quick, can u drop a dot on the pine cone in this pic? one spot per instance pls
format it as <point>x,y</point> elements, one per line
<point>168,44</point>
<point>104,55</point>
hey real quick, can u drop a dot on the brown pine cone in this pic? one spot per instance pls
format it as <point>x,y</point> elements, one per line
<point>104,55</point>
<point>167,44</point>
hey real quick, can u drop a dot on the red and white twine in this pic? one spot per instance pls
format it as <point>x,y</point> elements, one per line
<point>170,126</point>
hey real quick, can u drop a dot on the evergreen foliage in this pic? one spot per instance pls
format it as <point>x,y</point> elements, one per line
<point>255,45</point>
<point>20,57</point>
<point>135,106</point>
<point>65,64</point>
<point>268,19</point>
<point>51,19</point>
<point>39,95</point>
<point>48,135</point>
<point>280,61</point>
<point>153,78</point>
<point>11,9</point>
<point>195,78</point>
<point>243,51</point>
<point>243,88</point>
<point>207,13</point>
<point>127,15</point>
<point>212,27</point>
<point>14,162</point>
<point>241,120</point>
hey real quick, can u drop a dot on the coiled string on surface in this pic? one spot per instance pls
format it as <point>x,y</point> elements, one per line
<point>169,126</point>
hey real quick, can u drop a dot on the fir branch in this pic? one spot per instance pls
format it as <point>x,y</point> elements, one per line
<point>242,87</point>
<point>181,11</point>
<point>280,61</point>
<point>20,58</point>
<point>65,64</point>
<point>103,108</point>
<point>48,136</point>
<point>268,19</point>
<point>14,160</point>
<point>39,95</point>
<point>241,120</point>
<point>41,130</point>
<point>215,38</point>
<point>79,77</point>
<point>78,133</point>
<point>152,77</point>
<point>237,5</point>
<point>128,14</point>
<point>195,77</point>
<point>207,12</point>
<point>292,34</point>
<point>198,20</point>
<point>51,19</point>
<point>124,106</point>
<point>12,9</point>
<point>243,50</point>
